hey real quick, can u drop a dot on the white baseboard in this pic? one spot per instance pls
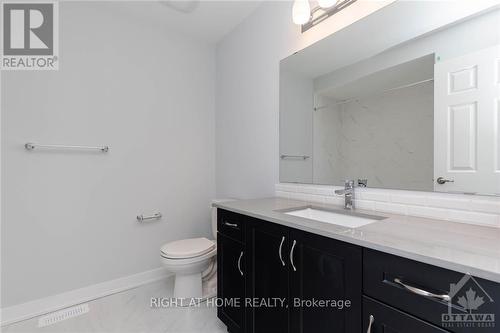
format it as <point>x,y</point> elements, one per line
<point>12,314</point>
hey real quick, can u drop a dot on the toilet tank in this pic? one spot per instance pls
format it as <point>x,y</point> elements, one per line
<point>214,215</point>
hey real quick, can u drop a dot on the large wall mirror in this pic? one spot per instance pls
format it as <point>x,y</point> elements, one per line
<point>423,114</point>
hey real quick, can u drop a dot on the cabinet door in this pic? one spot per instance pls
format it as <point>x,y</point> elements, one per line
<point>231,282</point>
<point>323,269</point>
<point>267,246</point>
<point>380,318</point>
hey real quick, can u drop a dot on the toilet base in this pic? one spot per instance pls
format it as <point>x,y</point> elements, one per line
<point>189,290</point>
<point>188,286</point>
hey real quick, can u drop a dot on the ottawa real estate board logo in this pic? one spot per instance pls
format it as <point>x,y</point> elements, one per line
<point>470,306</point>
<point>29,35</point>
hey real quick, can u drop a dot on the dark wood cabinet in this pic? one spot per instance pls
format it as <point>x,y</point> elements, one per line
<point>231,282</point>
<point>422,290</point>
<point>231,224</point>
<point>292,281</point>
<point>380,318</point>
<point>324,270</point>
<point>318,279</point>
<point>268,267</point>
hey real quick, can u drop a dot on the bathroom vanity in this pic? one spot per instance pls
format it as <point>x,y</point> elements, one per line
<point>396,272</point>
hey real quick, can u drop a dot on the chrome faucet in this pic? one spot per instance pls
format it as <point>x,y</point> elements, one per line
<point>348,193</point>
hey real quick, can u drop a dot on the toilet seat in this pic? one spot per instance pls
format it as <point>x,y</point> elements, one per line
<point>177,263</point>
<point>187,248</point>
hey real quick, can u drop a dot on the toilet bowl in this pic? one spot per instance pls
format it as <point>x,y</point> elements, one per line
<point>189,259</point>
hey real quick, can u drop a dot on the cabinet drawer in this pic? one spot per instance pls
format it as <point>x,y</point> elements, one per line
<point>230,224</point>
<point>422,290</point>
<point>386,319</point>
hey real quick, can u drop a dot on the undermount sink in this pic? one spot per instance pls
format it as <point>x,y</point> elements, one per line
<point>346,219</point>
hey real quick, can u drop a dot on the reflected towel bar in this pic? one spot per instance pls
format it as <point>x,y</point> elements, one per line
<point>303,157</point>
<point>32,146</point>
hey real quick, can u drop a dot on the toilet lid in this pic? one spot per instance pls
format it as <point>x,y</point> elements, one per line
<point>187,248</point>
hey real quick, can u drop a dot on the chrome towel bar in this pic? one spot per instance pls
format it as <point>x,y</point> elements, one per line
<point>142,218</point>
<point>32,146</point>
<point>303,157</point>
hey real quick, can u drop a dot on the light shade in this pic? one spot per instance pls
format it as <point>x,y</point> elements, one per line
<point>301,12</point>
<point>326,3</point>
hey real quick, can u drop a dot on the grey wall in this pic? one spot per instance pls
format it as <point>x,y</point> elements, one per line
<point>68,218</point>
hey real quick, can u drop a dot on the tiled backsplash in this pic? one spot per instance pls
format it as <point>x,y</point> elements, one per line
<point>463,208</point>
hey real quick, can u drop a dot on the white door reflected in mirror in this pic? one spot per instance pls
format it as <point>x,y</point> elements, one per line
<point>466,123</point>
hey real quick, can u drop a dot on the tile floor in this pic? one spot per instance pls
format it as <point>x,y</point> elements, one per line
<point>130,311</point>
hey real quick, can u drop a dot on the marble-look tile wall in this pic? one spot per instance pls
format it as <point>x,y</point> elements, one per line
<point>386,138</point>
<point>472,209</point>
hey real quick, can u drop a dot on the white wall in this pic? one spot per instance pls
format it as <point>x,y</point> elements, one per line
<point>247,89</point>
<point>68,218</point>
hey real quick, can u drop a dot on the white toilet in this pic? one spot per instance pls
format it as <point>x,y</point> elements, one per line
<point>189,259</point>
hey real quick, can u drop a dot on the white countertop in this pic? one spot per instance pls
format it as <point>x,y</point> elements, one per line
<point>460,247</point>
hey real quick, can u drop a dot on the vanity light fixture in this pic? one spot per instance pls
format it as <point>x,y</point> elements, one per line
<point>301,12</point>
<point>303,15</point>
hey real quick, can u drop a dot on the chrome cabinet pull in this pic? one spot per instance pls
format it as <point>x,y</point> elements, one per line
<point>232,225</point>
<point>239,263</point>
<point>291,255</point>
<point>422,292</point>
<point>279,251</point>
<point>442,181</point>
<point>370,323</point>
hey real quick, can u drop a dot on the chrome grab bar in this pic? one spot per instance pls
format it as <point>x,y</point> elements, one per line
<point>142,218</point>
<point>239,263</point>
<point>422,292</point>
<point>370,323</point>
<point>291,255</point>
<point>279,251</point>
<point>32,146</point>
<point>232,225</point>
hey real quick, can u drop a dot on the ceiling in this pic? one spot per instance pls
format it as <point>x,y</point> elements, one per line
<point>207,21</point>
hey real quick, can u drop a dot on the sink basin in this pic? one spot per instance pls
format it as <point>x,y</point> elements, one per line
<point>345,219</point>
